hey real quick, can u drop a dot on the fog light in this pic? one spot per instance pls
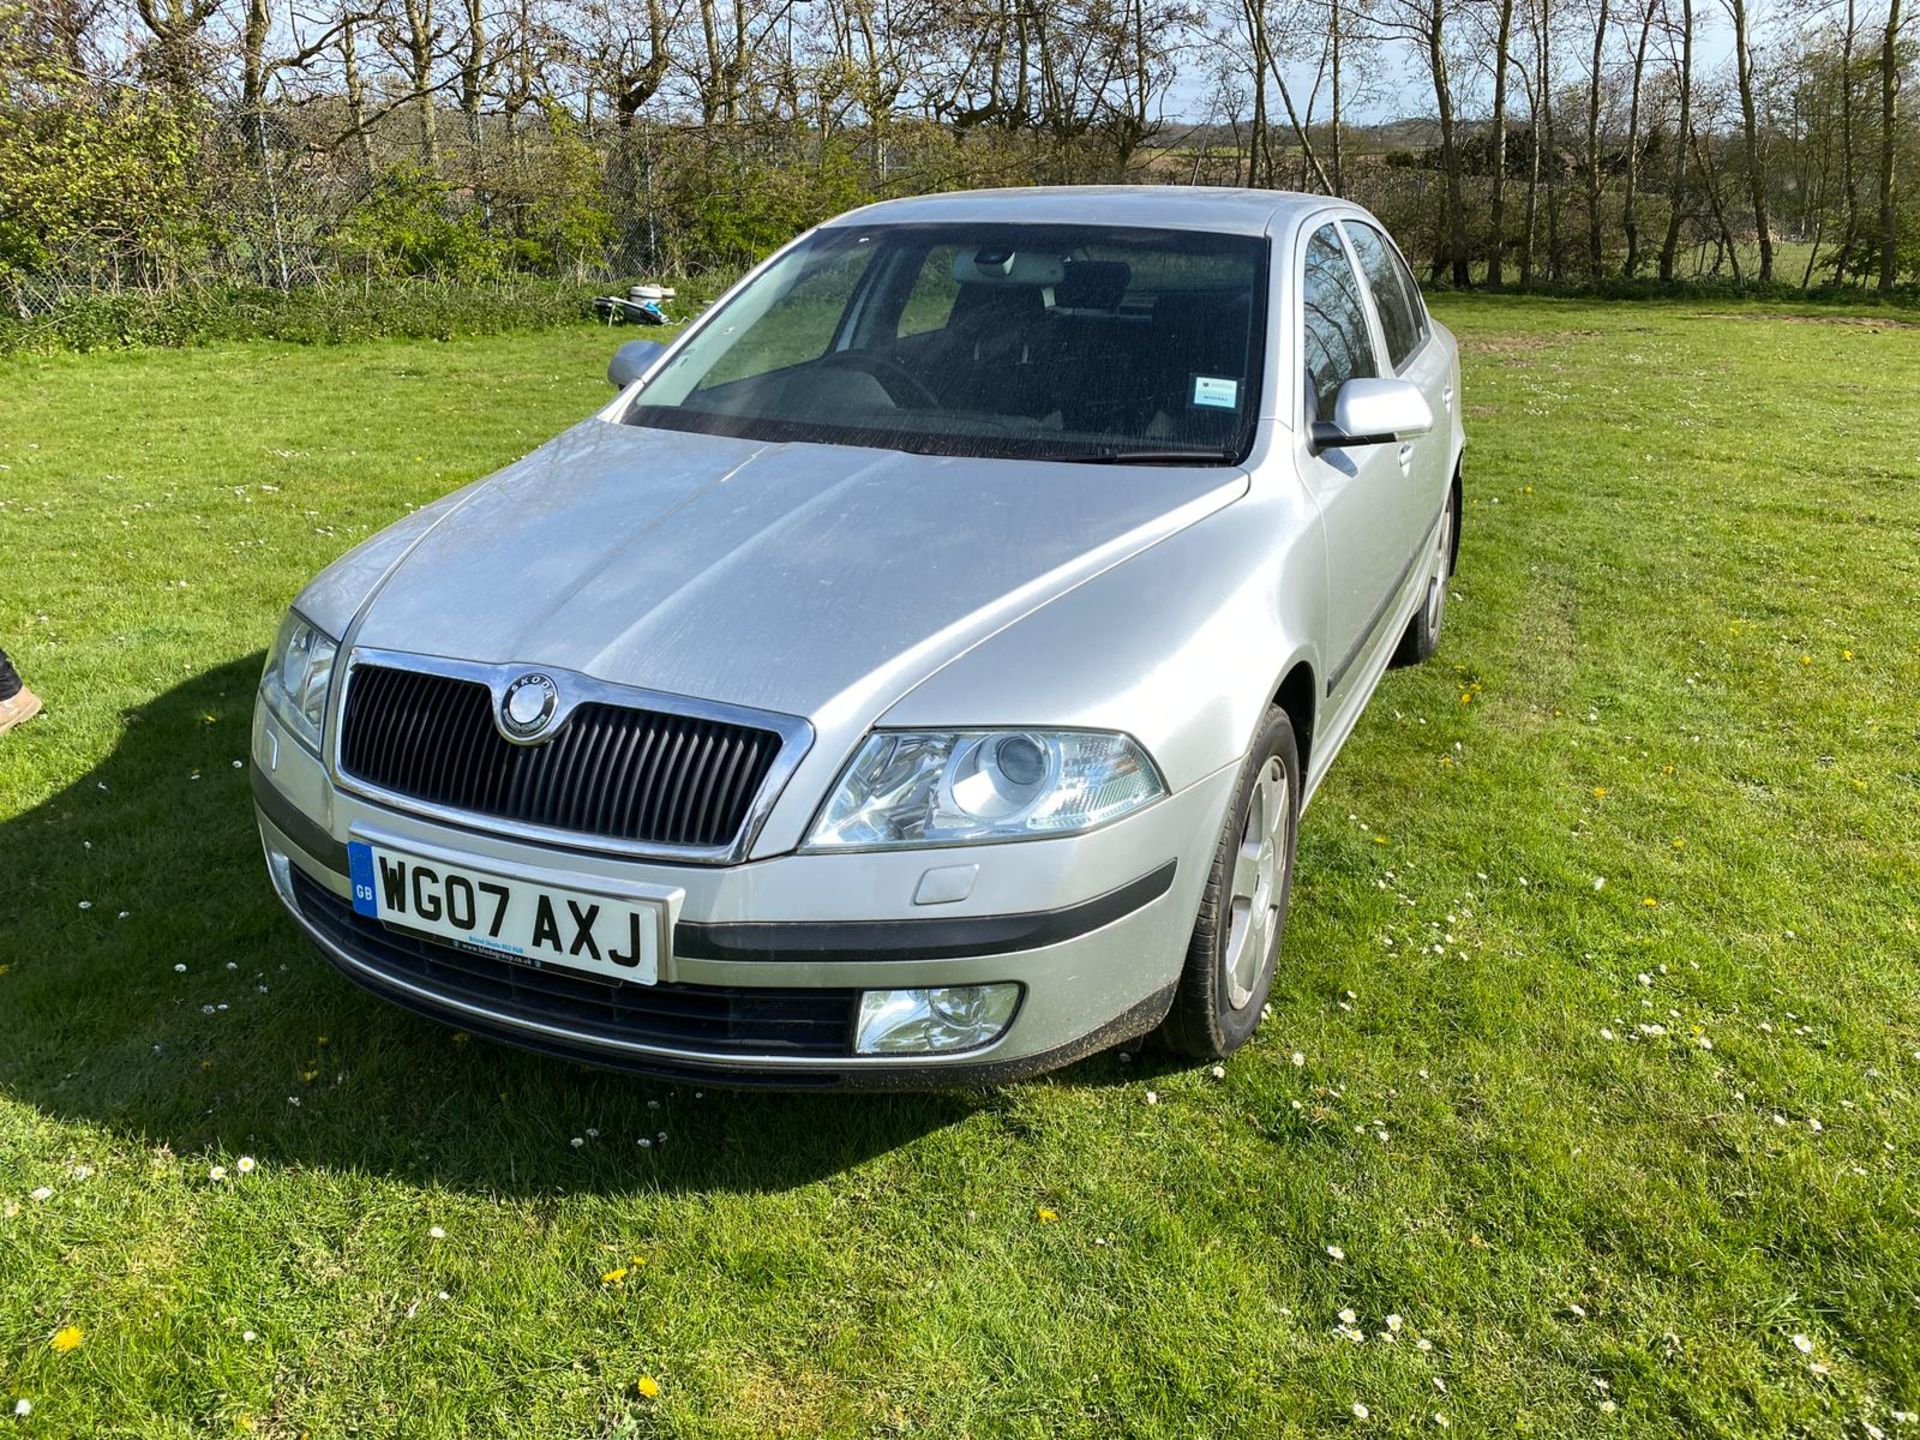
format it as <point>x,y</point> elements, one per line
<point>932,1022</point>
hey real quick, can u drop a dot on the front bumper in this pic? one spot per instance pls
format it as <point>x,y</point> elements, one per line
<point>768,957</point>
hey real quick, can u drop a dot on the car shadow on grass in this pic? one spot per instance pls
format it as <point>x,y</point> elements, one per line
<point>154,986</point>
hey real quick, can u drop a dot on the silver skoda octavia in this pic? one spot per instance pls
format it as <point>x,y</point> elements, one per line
<point>914,676</point>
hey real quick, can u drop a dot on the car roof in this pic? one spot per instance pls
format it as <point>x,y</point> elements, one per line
<point>1177,207</point>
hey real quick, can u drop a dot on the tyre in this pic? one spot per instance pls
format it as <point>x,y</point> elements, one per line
<point>1422,635</point>
<point>1236,936</point>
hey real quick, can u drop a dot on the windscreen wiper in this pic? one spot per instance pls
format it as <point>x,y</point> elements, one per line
<point>1152,457</point>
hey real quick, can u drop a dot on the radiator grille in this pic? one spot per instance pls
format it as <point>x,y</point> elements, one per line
<point>613,771</point>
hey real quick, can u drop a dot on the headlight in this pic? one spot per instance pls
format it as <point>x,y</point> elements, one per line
<point>920,788</point>
<point>299,672</point>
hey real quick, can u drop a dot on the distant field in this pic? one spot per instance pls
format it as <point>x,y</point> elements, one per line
<point>1589,1087</point>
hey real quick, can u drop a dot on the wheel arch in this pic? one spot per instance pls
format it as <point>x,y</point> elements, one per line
<point>1298,695</point>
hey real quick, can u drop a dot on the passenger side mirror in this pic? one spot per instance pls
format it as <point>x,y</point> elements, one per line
<point>1373,412</point>
<point>632,360</point>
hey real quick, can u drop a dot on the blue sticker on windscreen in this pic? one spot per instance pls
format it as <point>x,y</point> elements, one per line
<point>1216,392</point>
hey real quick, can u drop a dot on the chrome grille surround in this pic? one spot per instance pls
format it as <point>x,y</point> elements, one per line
<point>576,690</point>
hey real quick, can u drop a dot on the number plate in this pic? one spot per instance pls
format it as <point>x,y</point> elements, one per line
<point>531,924</point>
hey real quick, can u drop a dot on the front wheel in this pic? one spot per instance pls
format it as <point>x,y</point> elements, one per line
<point>1236,936</point>
<point>1422,636</point>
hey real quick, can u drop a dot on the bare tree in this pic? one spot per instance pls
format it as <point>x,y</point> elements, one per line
<point>1595,82</point>
<point>1889,144</point>
<point>1676,216</point>
<point>1749,119</point>
<point>1497,238</point>
<point>1629,217</point>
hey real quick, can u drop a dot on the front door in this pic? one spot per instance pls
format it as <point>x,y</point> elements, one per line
<point>1361,489</point>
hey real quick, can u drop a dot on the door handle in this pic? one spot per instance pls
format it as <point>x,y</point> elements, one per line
<point>1446,397</point>
<point>1406,456</point>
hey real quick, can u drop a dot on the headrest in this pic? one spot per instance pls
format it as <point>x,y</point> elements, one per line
<point>1093,284</point>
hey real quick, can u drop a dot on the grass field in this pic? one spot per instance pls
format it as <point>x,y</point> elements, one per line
<point>1589,1088</point>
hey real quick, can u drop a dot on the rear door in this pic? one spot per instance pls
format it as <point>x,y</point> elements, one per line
<point>1357,487</point>
<point>1410,351</point>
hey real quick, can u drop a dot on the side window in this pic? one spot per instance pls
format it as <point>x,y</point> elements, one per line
<point>1400,314</point>
<point>1337,347</point>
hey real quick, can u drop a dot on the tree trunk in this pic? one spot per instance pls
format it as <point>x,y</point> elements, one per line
<point>356,93</point>
<point>1455,227</point>
<point>1556,259</point>
<point>1712,179</point>
<point>1334,27</point>
<point>420,39</point>
<point>1630,218</point>
<point>1850,194</point>
<point>1497,238</point>
<point>1749,120</point>
<point>1594,256</point>
<point>1533,186</point>
<point>1889,138</point>
<point>1670,248</point>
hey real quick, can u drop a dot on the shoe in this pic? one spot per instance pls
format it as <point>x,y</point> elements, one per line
<point>20,709</point>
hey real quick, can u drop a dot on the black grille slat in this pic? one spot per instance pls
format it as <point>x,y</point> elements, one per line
<point>615,771</point>
<point>739,1020</point>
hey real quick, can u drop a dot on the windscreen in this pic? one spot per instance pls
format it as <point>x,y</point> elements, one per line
<point>1048,342</point>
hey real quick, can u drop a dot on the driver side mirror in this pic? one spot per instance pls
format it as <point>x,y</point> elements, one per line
<point>1373,412</point>
<point>632,360</point>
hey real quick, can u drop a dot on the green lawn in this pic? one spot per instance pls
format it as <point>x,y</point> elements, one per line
<point>1633,1158</point>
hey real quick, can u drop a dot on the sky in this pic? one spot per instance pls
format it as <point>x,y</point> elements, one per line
<point>1402,88</point>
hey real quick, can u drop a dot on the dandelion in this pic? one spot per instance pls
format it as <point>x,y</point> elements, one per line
<point>1599,792</point>
<point>1650,903</point>
<point>67,1337</point>
<point>1048,1216</point>
<point>648,1386</point>
<point>1297,1058</point>
<point>614,1276</point>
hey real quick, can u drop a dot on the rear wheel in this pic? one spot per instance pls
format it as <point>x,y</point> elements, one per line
<point>1236,936</point>
<point>1422,635</point>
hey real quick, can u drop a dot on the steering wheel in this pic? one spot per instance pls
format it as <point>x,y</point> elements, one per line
<point>884,368</point>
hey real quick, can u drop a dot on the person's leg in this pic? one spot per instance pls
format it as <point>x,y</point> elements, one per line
<point>9,678</point>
